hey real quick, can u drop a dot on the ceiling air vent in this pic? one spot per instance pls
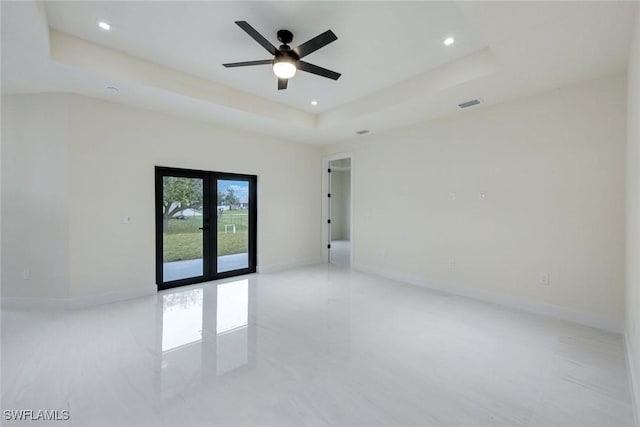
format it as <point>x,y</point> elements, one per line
<point>469,103</point>
<point>362,132</point>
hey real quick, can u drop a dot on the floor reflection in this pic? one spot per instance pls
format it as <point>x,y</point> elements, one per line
<point>231,326</point>
<point>181,318</point>
<point>233,306</point>
<point>205,333</point>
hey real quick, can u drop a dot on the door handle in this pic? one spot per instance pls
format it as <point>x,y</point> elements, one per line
<point>203,228</point>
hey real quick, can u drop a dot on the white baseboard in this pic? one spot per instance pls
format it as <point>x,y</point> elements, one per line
<point>633,385</point>
<point>274,268</point>
<point>551,310</point>
<point>86,301</point>
<point>78,302</point>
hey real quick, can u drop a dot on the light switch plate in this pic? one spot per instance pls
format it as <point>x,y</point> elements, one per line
<point>543,279</point>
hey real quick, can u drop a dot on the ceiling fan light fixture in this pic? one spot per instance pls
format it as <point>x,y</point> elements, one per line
<point>284,68</point>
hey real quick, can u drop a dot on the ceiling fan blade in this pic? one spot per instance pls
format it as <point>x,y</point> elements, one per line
<point>314,69</point>
<point>257,37</point>
<point>315,43</point>
<point>247,63</point>
<point>282,83</point>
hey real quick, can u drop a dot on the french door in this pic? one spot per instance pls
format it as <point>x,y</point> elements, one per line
<point>205,226</point>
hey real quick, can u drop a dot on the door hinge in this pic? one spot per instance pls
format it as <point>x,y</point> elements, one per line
<point>329,195</point>
<point>329,170</point>
<point>328,221</point>
<point>328,246</point>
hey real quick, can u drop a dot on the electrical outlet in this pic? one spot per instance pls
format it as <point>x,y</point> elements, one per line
<point>451,262</point>
<point>482,195</point>
<point>26,274</point>
<point>452,196</point>
<point>127,219</point>
<point>543,279</point>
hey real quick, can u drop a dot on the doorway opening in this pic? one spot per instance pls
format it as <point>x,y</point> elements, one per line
<point>339,211</point>
<point>205,226</point>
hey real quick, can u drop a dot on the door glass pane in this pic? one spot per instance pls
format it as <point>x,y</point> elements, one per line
<point>182,233</point>
<point>233,225</point>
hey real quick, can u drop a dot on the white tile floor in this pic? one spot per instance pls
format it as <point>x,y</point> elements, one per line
<point>319,346</point>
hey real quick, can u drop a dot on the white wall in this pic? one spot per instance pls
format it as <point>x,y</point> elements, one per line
<point>99,167</point>
<point>35,197</point>
<point>633,210</point>
<point>552,167</point>
<point>340,204</point>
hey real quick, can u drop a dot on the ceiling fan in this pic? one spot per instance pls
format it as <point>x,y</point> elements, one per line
<point>286,61</point>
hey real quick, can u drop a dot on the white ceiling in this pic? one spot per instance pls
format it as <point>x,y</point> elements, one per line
<point>197,37</point>
<point>167,56</point>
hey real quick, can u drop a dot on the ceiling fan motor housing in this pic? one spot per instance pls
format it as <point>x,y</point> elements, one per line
<point>285,36</point>
<point>286,54</point>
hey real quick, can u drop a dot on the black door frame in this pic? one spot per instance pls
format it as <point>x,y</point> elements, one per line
<point>210,226</point>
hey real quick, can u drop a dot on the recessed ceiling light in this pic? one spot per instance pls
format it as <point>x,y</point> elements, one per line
<point>449,41</point>
<point>104,25</point>
<point>314,102</point>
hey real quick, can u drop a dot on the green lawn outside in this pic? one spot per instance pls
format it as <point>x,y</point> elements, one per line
<point>183,239</point>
